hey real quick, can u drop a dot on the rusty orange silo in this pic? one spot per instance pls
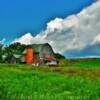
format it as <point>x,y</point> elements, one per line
<point>29,55</point>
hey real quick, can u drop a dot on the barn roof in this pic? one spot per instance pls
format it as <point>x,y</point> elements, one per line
<point>36,47</point>
<point>50,59</point>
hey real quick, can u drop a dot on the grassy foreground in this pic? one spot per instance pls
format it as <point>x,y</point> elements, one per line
<point>24,82</point>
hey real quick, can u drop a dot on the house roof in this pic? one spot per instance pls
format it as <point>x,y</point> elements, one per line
<point>17,56</point>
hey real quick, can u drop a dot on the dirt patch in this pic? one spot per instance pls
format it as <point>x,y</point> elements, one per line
<point>69,71</point>
<point>59,71</point>
<point>84,72</point>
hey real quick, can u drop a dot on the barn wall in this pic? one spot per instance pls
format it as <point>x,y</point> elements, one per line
<point>46,50</point>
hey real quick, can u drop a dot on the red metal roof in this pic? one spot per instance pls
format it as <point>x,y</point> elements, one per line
<point>50,59</point>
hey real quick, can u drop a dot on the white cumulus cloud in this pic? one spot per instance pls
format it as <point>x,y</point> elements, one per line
<point>25,39</point>
<point>96,40</point>
<point>71,34</point>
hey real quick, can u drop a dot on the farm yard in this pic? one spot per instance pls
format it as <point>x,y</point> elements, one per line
<point>74,79</point>
<point>50,50</point>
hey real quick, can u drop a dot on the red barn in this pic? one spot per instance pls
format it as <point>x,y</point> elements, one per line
<point>40,54</point>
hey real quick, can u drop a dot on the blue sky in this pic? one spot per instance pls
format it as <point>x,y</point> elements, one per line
<point>18,17</point>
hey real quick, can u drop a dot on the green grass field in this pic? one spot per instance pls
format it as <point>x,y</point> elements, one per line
<point>26,82</point>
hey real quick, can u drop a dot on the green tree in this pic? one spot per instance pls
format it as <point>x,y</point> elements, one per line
<point>1,52</point>
<point>15,48</point>
<point>59,56</point>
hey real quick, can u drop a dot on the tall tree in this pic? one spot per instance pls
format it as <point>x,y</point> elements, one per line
<point>1,52</point>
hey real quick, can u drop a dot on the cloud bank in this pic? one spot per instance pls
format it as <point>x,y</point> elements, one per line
<point>77,34</point>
